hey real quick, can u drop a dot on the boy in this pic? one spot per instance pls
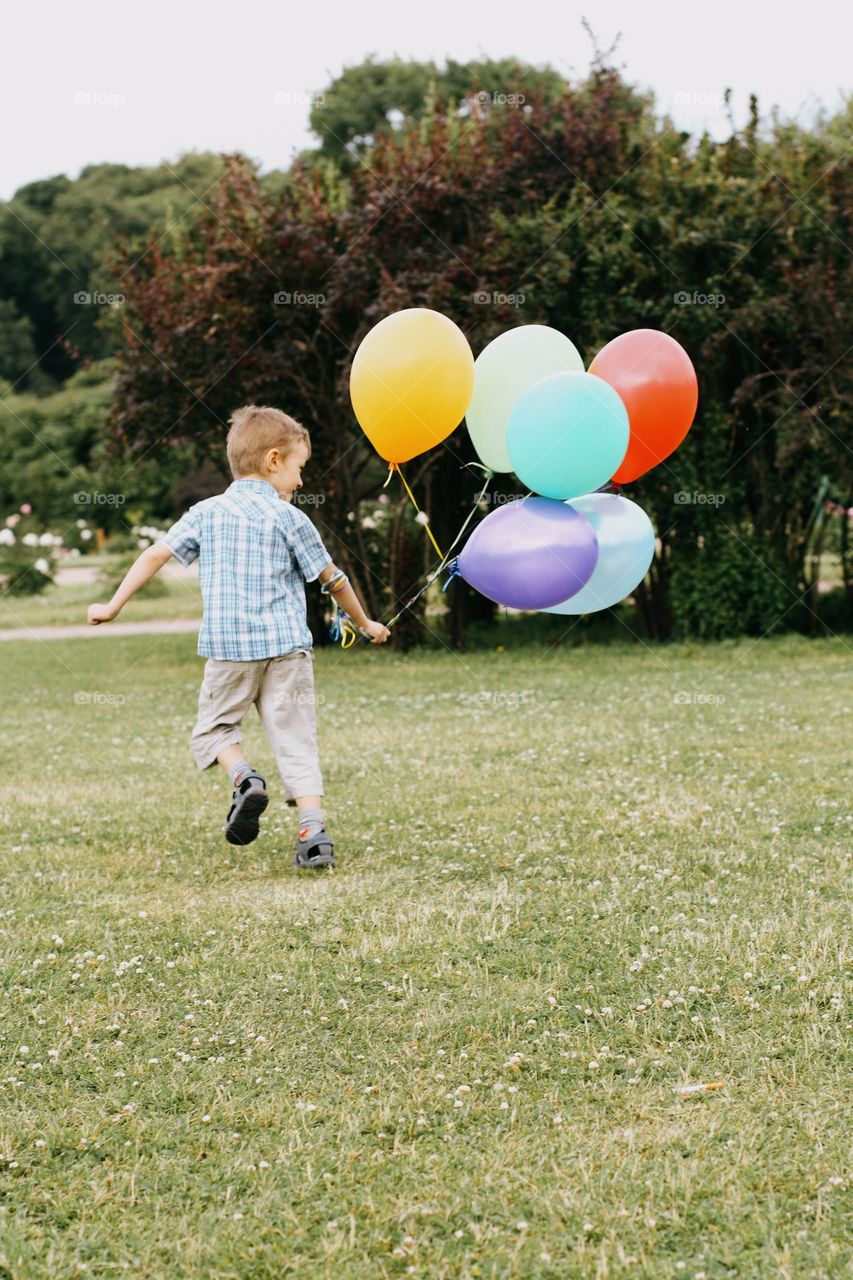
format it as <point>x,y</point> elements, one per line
<point>255,552</point>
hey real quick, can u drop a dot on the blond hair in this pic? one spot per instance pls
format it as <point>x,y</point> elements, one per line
<point>254,430</point>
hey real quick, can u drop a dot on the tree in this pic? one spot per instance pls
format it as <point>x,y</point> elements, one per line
<point>581,210</point>
<point>376,100</point>
<point>56,236</point>
<point>17,348</point>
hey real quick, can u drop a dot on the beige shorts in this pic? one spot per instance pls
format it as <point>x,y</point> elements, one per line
<point>282,690</point>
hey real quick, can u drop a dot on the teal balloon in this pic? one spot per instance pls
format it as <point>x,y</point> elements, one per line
<point>626,547</point>
<point>567,434</point>
<point>503,371</point>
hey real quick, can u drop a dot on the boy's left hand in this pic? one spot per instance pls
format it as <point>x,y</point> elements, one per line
<point>99,613</point>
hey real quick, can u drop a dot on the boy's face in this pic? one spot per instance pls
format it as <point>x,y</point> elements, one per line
<point>284,470</point>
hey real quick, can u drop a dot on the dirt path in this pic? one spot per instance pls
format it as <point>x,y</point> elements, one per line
<point>103,629</point>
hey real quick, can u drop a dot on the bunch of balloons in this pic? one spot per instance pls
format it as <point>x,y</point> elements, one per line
<point>567,433</point>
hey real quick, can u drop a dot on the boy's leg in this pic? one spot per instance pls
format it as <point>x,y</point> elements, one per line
<point>312,819</point>
<point>286,705</point>
<point>231,755</point>
<point>228,690</point>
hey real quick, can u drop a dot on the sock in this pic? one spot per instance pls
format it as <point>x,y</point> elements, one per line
<point>311,823</point>
<point>239,771</point>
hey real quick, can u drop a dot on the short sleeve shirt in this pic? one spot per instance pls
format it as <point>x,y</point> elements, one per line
<point>255,554</point>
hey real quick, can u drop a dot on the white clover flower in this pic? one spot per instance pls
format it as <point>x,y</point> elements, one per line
<point>42,566</point>
<point>7,537</point>
<point>30,539</point>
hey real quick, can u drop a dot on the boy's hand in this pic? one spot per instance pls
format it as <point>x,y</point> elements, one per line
<point>377,632</point>
<point>100,613</point>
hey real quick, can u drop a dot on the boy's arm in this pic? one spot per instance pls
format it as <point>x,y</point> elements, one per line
<point>144,567</point>
<point>350,603</point>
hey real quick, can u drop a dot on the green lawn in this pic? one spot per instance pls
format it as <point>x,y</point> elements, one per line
<point>65,604</point>
<point>569,882</point>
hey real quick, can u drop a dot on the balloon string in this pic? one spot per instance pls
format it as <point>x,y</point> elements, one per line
<point>343,629</point>
<point>394,467</point>
<point>471,513</point>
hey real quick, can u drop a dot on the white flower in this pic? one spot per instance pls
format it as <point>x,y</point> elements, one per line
<point>7,537</point>
<point>30,539</point>
<point>85,534</point>
<point>422,518</point>
<point>46,540</point>
<point>42,565</point>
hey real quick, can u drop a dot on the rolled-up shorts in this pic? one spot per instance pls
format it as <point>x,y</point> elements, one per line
<point>282,690</point>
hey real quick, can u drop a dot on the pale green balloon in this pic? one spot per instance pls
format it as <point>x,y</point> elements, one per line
<point>503,371</point>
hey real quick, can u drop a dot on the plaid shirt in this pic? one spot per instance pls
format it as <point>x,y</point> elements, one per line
<point>256,552</point>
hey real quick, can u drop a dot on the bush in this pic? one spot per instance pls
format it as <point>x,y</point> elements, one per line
<point>111,576</point>
<point>18,573</point>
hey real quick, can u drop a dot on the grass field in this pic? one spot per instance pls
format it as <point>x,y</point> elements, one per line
<point>65,604</point>
<point>569,883</point>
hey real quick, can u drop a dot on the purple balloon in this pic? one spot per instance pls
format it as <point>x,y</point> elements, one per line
<point>530,554</point>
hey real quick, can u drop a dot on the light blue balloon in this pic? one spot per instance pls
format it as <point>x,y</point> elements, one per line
<point>567,434</point>
<point>626,547</point>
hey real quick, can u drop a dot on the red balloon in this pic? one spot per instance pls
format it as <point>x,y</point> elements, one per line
<point>655,378</point>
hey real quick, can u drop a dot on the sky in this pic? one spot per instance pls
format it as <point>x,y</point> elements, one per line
<point>136,84</point>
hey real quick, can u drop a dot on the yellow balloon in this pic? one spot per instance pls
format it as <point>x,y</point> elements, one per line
<point>411,382</point>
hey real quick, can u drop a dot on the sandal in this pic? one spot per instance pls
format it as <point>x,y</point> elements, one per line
<point>248,802</point>
<point>315,851</point>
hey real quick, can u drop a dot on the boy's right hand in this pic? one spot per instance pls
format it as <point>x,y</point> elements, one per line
<point>100,613</point>
<point>377,632</point>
